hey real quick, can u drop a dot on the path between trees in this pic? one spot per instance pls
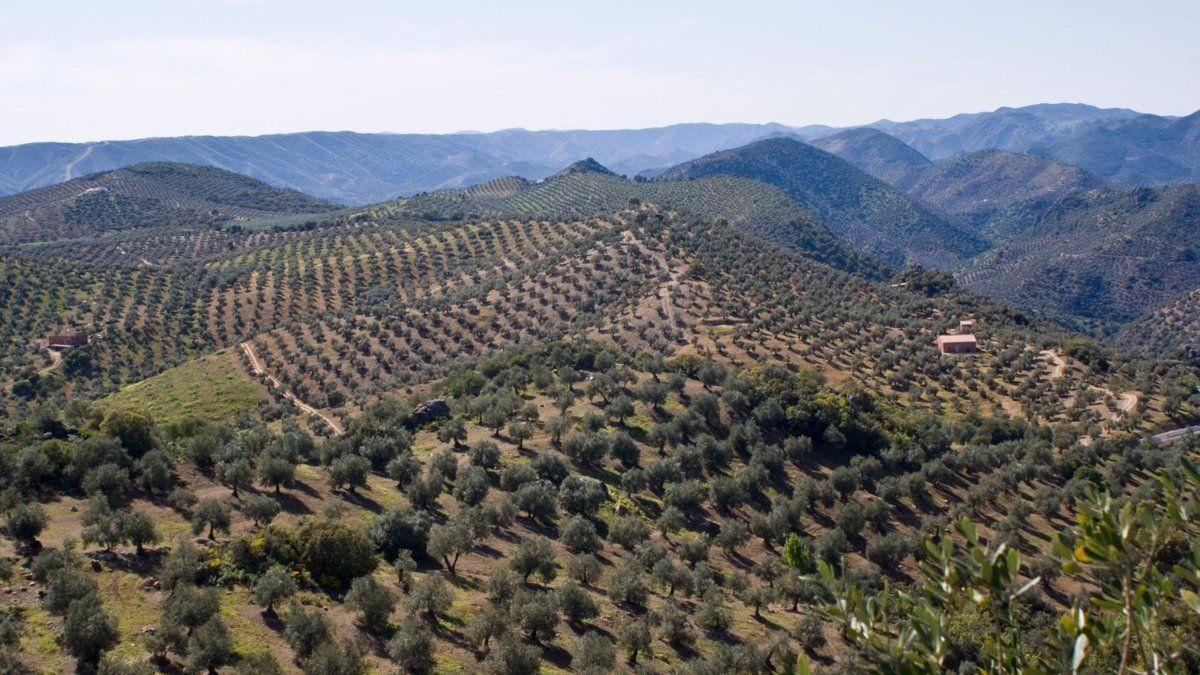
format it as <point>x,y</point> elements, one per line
<point>1126,402</point>
<point>55,360</point>
<point>1056,370</point>
<point>257,368</point>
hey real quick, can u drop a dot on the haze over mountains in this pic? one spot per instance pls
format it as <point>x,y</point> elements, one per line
<point>355,168</point>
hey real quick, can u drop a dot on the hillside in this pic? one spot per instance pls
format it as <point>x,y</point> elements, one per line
<point>588,189</point>
<point>523,426</point>
<point>1013,129</point>
<point>999,194</point>
<point>152,195</point>
<point>884,157</point>
<point>1145,150</point>
<point>861,209</point>
<point>1171,329</point>
<point>354,168</point>
<point>1102,257</point>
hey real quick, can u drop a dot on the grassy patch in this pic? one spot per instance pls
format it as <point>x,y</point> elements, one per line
<point>123,595</point>
<point>210,388</point>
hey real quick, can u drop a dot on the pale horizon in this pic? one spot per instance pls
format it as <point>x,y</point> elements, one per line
<point>800,125</point>
<point>75,72</point>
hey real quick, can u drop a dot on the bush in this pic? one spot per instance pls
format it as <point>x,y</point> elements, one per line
<point>274,585</point>
<point>534,556</point>
<point>398,529</point>
<point>260,508</point>
<point>305,630</point>
<point>674,629</point>
<point>579,535</point>
<point>334,659</point>
<point>209,647</point>
<point>629,532</point>
<point>412,648</point>
<point>25,522</point>
<point>373,601</point>
<point>430,595</point>
<point>594,654</point>
<point>212,514</point>
<point>334,553</point>
<point>67,585</point>
<point>576,603</point>
<point>537,614</point>
<point>512,657</point>
<point>627,585</point>
<point>89,630</point>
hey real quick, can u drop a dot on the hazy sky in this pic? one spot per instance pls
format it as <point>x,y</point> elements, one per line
<point>75,71</point>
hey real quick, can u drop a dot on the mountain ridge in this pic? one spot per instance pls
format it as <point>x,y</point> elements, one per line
<point>357,168</point>
<point>148,194</point>
<point>860,208</point>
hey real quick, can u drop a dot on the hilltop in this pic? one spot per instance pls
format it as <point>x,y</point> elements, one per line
<point>872,215</point>
<point>590,189</point>
<point>1000,194</point>
<point>884,157</point>
<point>147,195</point>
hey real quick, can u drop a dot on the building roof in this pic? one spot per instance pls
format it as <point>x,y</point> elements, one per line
<point>69,332</point>
<point>956,339</point>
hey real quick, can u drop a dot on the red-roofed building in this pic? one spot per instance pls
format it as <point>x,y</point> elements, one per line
<point>957,344</point>
<point>67,339</point>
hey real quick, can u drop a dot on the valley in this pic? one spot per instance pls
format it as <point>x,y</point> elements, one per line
<point>585,422</point>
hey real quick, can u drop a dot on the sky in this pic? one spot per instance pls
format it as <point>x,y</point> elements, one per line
<point>80,71</point>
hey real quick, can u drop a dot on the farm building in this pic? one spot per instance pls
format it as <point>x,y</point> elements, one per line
<point>966,326</point>
<point>957,344</point>
<point>67,339</point>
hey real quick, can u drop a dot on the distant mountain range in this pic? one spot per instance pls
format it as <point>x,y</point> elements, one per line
<point>1120,145</point>
<point>355,168</point>
<point>1015,129</point>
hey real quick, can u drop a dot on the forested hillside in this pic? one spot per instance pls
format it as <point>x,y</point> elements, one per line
<point>863,210</point>
<point>884,157</point>
<point>1100,256</point>
<point>1012,129</point>
<point>1145,150</point>
<point>149,195</point>
<point>1001,195</point>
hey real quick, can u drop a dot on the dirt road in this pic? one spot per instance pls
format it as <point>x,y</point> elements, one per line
<point>257,367</point>
<point>55,361</point>
<point>1056,370</point>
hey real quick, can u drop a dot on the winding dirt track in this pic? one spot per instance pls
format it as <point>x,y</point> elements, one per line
<point>1056,372</point>
<point>1126,402</point>
<point>55,361</point>
<point>257,367</point>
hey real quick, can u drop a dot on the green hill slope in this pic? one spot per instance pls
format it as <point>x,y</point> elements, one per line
<point>861,209</point>
<point>884,157</point>
<point>1000,194</point>
<point>1101,257</point>
<point>582,190</point>
<point>148,195</point>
